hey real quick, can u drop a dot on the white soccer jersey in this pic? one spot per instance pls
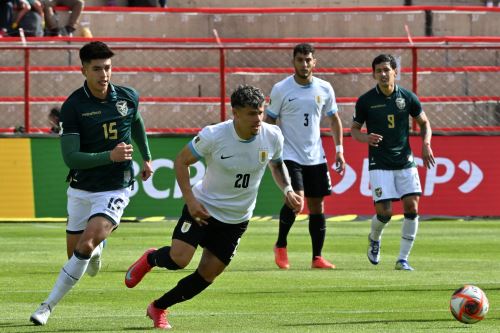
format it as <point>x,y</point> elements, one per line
<point>299,109</point>
<point>235,168</point>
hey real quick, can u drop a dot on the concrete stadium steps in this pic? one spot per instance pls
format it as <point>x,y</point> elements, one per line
<point>159,115</point>
<point>286,25</point>
<point>166,84</point>
<point>295,3</point>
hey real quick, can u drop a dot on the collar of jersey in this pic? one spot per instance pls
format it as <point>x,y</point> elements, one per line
<point>396,89</point>
<point>237,137</point>
<point>303,86</point>
<point>112,96</point>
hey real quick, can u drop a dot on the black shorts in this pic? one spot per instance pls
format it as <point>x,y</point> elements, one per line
<point>220,238</point>
<point>314,180</point>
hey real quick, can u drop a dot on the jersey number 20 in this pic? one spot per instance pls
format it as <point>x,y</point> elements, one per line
<point>242,180</point>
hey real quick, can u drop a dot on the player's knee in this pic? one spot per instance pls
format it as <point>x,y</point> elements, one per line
<point>287,215</point>
<point>384,218</point>
<point>410,216</point>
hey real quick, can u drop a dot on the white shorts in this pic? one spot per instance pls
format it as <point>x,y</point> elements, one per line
<point>83,205</point>
<point>394,184</point>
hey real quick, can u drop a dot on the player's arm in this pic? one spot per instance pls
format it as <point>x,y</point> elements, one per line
<point>184,159</point>
<point>282,179</point>
<point>426,134</point>
<point>337,131</point>
<point>372,139</point>
<point>141,140</point>
<point>75,159</point>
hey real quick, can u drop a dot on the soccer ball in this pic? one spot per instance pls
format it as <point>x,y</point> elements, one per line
<point>469,304</point>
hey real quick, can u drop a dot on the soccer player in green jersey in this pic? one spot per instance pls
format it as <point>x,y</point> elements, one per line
<point>98,122</point>
<point>393,173</point>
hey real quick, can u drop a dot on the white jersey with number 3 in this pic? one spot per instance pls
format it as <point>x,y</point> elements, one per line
<point>300,109</point>
<point>235,168</point>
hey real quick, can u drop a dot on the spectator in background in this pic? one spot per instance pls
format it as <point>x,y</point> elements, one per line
<point>52,28</point>
<point>28,14</point>
<point>54,120</point>
<point>6,16</point>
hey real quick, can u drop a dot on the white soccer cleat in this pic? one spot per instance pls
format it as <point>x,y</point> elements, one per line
<point>373,252</point>
<point>41,315</point>
<point>95,262</point>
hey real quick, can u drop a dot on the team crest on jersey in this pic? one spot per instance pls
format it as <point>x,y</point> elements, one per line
<point>378,192</point>
<point>318,99</point>
<point>122,107</point>
<point>186,225</point>
<point>400,103</point>
<point>263,156</point>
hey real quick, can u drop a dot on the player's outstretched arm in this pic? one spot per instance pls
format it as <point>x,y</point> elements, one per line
<point>141,140</point>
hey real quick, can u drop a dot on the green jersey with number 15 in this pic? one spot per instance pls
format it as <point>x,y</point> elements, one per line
<point>101,125</point>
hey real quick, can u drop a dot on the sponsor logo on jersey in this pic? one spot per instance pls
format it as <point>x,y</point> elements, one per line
<point>186,225</point>
<point>90,114</point>
<point>378,192</point>
<point>122,108</point>
<point>263,156</point>
<point>292,99</point>
<point>400,103</point>
<point>222,157</point>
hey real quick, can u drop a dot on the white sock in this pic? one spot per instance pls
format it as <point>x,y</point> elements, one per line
<point>377,227</point>
<point>408,234</point>
<point>71,272</point>
<point>97,251</point>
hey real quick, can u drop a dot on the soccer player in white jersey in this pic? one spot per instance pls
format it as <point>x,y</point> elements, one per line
<point>299,102</point>
<point>218,207</point>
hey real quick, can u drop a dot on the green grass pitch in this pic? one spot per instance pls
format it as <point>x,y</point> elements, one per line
<point>253,295</point>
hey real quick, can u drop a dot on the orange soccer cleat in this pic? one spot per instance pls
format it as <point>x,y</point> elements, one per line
<point>281,257</point>
<point>320,262</point>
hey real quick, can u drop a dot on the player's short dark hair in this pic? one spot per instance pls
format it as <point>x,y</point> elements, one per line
<point>245,95</point>
<point>384,58</point>
<point>303,48</point>
<point>95,50</point>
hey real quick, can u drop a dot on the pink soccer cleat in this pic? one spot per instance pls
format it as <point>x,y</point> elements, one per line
<point>159,317</point>
<point>136,272</point>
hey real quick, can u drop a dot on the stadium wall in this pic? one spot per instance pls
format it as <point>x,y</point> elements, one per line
<point>463,183</point>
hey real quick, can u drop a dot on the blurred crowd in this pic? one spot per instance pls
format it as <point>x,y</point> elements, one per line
<point>37,18</point>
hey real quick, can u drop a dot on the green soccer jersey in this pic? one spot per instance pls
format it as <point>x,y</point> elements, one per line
<point>101,125</point>
<point>388,116</point>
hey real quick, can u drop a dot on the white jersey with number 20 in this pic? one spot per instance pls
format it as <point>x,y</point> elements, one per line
<point>235,168</point>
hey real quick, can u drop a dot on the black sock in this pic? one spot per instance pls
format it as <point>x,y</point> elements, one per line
<point>287,217</point>
<point>161,258</point>
<point>317,230</point>
<point>185,289</point>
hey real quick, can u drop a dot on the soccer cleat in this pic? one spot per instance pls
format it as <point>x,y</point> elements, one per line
<point>136,272</point>
<point>320,262</point>
<point>373,252</point>
<point>281,257</point>
<point>159,317</point>
<point>95,262</point>
<point>41,315</point>
<point>403,265</point>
